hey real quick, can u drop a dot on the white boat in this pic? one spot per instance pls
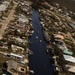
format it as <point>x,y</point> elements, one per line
<point>32,71</point>
<point>36,37</point>
<point>40,40</point>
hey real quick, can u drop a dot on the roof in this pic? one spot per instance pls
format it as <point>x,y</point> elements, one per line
<point>19,39</point>
<point>59,36</point>
<point>22,18</point>
<point>71,68</point>
<point>69,58</point>
<point>16,55</point>
<point>12,63</point>
<point>2,7</point>
<point>16,66</point>
<point>63,47</point>
<point>67,52</point>
<point>14,47</point>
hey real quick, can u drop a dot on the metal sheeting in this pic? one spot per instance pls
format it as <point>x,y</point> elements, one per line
<point>69,58</point>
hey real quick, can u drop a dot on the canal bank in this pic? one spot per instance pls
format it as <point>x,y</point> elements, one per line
<point>40,62</point>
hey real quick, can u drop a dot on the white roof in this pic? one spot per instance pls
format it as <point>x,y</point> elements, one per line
<point>2,7</point>
<point>22,62</point>
<point>19,39</point>
<point>63,47</point>
<point>69,58</point>
<point>22,18</point>
<point>71,68</point>
<point>14,47</point>
<point>16,55</point>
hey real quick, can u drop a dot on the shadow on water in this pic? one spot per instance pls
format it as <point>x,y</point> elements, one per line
<point>39,61</point>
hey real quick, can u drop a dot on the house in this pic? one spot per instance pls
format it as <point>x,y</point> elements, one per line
<point>14,68</point>
<point>22,19</point>
<point>69,58</point>
<point>57,36</point>
<point>18,40</point>
<point>13,55</point>
<point>59,42</point>
<point>67,52</point>
<point>16,48</point>
<point>71,68</point>
<point>71,25</point>
<point>4,6</point>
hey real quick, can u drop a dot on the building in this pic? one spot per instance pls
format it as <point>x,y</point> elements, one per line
<point>16,48</point>
<point>69,58</point>
<point>16,56</point>
<point>15,68</point>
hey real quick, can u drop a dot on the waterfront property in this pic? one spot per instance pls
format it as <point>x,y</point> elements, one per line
<point>69,58</point>
<point>13,55</point>
<point>71,68</point>
<point>15,68</point>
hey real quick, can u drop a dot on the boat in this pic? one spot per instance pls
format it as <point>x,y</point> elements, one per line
<point>40,40</point>
<point>30,52</point>
<point>31,71</point>
<point>36,37</point>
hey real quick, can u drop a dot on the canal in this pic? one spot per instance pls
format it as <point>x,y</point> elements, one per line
<point>40,61</point>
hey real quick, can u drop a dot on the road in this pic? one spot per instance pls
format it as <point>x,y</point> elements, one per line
<point>5,24</point>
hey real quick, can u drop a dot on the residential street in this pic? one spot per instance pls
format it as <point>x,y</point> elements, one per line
<point>5,24</point>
